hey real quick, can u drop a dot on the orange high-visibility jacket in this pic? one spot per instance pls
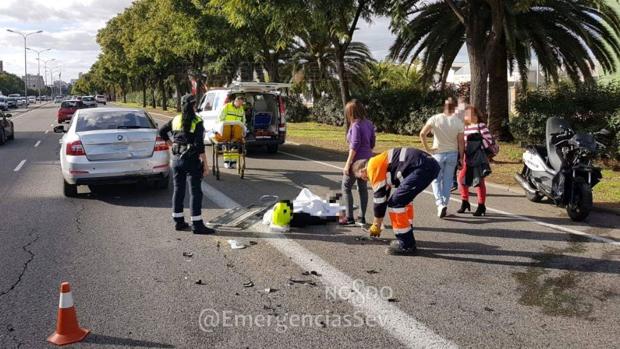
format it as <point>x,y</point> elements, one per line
<point>388,169</point>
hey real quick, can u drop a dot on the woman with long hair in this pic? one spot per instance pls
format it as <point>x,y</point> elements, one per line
<point>361,140</point>
<point>477,138</point>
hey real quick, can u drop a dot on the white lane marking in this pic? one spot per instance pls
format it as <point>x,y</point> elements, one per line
<point>293,143</point>
<point>52,125</point>
<point>505,213</point>
<point>396,322</point>
<point>19,167</point>
<point>47,131</point>
<point>24,113</point>
<point>37,144</point>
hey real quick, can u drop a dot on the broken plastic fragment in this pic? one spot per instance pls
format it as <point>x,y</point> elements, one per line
<point>236,245</point>
<point>188,254</point>
<point>248,284</point>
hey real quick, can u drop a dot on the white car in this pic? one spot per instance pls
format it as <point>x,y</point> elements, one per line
<point>265,112</point>
<point>32,99</point>
<point>101,99</point>
<point>112,145</point>
<point>89,101</point>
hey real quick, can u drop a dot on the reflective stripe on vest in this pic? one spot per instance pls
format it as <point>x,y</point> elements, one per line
<point>177,123</point>
<point>231,113</point>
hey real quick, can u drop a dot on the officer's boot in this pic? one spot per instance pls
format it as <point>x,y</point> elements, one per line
<point>198,227</point>
<point>180,224</point>
<point>403,245</point>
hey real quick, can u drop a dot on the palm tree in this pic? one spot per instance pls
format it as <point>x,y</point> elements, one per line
<point>565,35</point>
<point>314,55</point>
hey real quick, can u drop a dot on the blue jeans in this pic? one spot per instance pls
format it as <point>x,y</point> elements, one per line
<point>443,183</point>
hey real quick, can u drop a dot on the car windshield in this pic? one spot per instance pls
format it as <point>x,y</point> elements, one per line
<point>86,99</point>
<point>92,121</point>
<point>69,104</point>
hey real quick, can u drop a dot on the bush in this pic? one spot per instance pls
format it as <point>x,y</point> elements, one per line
<point>418,118</point>
<point>296,111</point>
<point>613,126</point>
<point>529,127</point>
<point>328,111</point>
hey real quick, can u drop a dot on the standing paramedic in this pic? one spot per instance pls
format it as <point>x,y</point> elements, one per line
<point>188,160</point>
<point>409,171</point>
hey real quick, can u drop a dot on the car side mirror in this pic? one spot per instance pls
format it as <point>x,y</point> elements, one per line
<point>59,129</point>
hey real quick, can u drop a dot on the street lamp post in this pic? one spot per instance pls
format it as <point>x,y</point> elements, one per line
<point>25,36</point>
<point>45,73</point>
<point>38,52</point>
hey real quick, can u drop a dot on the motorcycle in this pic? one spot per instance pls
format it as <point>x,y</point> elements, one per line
<point>563,168</point>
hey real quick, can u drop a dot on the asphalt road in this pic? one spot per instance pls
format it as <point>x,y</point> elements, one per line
<point>523,276</point>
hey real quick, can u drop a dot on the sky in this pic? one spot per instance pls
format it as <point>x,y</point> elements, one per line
<point>70,29</point>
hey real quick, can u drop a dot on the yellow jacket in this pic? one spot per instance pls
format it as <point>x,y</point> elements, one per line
<point>232,113</point>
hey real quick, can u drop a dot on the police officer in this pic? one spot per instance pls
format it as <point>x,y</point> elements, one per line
<point>188,160</point>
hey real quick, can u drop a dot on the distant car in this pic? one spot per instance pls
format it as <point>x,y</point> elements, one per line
<point>89,101</point>
<point>112,145</point>
<point>3,103</point>
<point>32,99</point>
<point>7,129</point>
<point>101,99</point>
<point>67,109</point>
<point>11,102</point>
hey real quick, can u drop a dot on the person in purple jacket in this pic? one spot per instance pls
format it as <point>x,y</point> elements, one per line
<point>361,139</point>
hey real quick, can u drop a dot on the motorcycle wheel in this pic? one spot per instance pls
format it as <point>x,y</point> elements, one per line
<point>581,205</point>
<point>533,197</point>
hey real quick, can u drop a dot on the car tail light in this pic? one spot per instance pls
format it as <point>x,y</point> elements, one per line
<point>75,148</point>
<point>282,126</point>
<point>160,144</point>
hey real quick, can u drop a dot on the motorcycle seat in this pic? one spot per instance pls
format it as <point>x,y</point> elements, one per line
<point>554,125</point>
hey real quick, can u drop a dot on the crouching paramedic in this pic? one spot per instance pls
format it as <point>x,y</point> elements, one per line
<point>188,160</point>
<point>407,170</point>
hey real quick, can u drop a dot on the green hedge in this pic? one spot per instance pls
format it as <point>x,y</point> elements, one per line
<point>587,108</point>
<point>400,111</point>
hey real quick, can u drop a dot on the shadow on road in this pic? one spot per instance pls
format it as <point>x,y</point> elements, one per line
<point>128,342</point>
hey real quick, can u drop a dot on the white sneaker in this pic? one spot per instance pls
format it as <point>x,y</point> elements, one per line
<point>227,164</point>
<point>442,211</point>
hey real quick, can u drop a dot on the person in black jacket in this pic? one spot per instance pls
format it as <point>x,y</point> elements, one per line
<point>185,135</point>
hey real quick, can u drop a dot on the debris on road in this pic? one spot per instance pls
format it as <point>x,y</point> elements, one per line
<point>199,282</point>
<point>392,300</point>
<point>489,309</point>
<point>270,290</point>
<point>299,281</point>
<point>188,254</point>
<point>248,284</point>
<point>236,245</point>
<point>252,243</point>
<point>372,271</point>
<point>312,272</point>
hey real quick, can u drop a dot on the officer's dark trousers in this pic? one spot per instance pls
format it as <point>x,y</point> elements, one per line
<point>182,169</point>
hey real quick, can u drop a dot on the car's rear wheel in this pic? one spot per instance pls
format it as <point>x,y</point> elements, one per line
<point>2,136</point>
<point>272,148</point>
<point>12,136</point>
<point>162,183</point>
<point>70,190</point>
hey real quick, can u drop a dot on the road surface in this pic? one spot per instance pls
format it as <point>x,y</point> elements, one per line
<point>523,276</point>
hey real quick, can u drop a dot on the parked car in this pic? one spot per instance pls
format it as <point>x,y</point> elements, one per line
<point>32,99</point>
<point>7,128</point>
<point>101,99</point>
<point>265,112</point>
<point>11,102</point>
<point>21,101</point>
<point>58,99</point>
<point>67,109</point>
<point>112,145</point>
<point>3,103</point>
<point>89,101</point>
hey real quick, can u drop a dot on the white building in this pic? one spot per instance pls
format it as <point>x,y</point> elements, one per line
<point>34,81</point>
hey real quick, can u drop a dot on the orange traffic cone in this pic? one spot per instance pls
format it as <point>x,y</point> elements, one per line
<point>67,329</point>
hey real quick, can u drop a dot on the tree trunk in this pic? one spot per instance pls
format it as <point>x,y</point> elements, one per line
<point>144,93</point>
<point>260,72</point>
<point>498,93</point>
<point>476,50</point>
<point>153,100</point>
<point>164,97</point>
<point>177,90</point>
<point>342,80</point>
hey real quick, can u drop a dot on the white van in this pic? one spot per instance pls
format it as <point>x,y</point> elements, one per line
<point>265,111</point>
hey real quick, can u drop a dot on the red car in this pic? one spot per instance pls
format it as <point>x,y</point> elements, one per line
<point>66,110</point>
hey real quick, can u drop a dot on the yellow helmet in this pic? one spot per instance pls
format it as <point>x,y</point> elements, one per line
<point>282,214</point>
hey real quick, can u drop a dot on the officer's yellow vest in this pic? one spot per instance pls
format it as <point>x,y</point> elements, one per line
<point>177,123</point>
<point>232,113</point>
